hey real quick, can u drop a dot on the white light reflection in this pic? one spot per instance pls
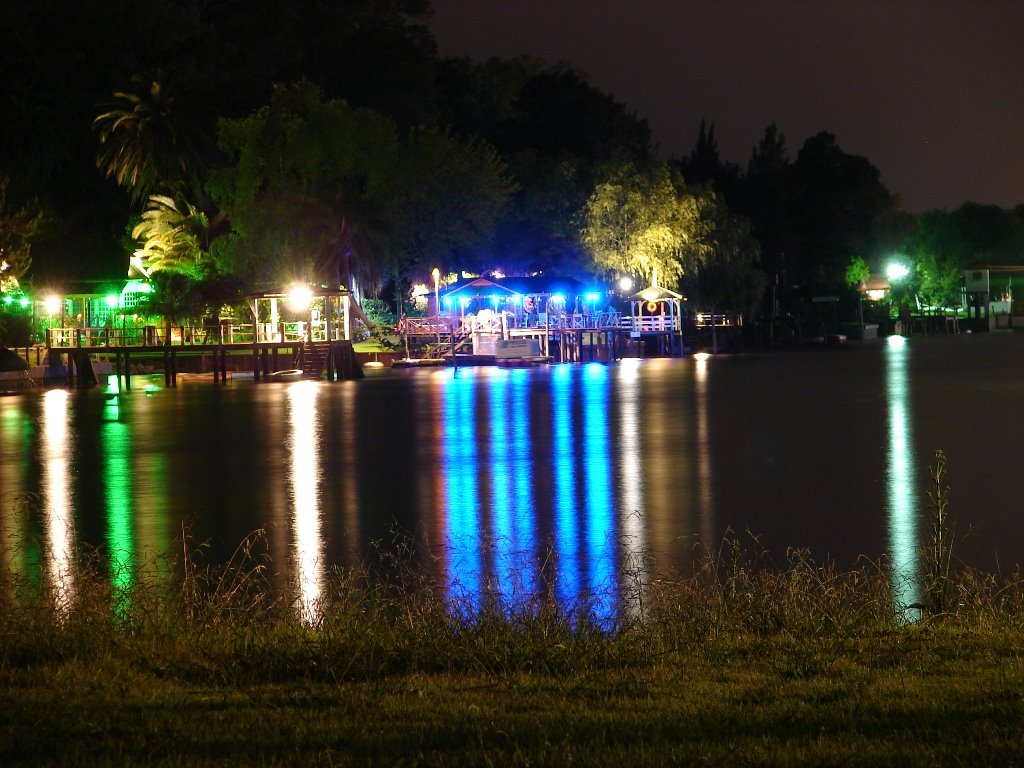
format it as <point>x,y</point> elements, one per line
<point>57,514</point>
<point>305,477</point>
<point>902,488</point>
<point>630,466</point>
<point>704,498</point>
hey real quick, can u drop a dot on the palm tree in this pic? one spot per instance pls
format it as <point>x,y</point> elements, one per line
<point>155,140</point>
<point>172,238</point>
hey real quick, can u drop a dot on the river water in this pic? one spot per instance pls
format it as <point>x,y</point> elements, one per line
<point>517,481</point>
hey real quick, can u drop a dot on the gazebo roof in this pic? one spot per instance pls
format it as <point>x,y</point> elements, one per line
<point>655,293</point>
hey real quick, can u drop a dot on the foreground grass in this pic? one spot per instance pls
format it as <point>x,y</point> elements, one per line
<point>729,666</point>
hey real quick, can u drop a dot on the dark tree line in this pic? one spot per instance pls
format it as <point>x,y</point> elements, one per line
<point>218,138</point>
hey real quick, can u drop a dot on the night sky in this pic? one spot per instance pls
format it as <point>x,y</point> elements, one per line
<point>932,93</point>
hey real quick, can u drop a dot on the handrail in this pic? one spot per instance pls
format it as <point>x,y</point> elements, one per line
<point>173,336</point>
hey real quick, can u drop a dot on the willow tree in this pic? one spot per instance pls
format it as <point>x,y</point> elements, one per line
<point>730,277</point>
<point>645,223</point>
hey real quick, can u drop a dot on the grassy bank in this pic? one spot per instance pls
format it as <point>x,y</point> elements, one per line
<point>732,664</point>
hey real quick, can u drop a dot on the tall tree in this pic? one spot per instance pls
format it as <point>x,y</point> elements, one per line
<point>764,198</point>
<point>321,190</point>
<point>442,201</point>
<point>947,242</point>
<point>840,210</point>
<point>18,225</point>
<point>155,140</point>
<point>300,192</point>
<point>705,165</point>
<point>555,131</point>
<point>645,223</point>
<point>730,276</point>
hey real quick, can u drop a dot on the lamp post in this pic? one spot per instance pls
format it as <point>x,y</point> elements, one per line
<point>436,274</point>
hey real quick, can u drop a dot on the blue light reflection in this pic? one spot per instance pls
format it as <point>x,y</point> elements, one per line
<point>465,568</point>
<point>598,488</point>
<point>492,477</point>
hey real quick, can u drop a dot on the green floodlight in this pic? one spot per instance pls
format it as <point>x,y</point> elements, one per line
<point>23,302</point>
<point>897,271</point>
<point>110,300</point>
<point>8,299</point>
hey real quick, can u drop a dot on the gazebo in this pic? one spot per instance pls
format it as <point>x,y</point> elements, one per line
<point>656,312</point>
<point>304,314</point>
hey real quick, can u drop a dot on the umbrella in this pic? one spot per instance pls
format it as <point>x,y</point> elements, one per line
<point>476,288</point>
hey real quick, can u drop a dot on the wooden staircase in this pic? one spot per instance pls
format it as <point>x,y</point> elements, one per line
<point>313,359</point>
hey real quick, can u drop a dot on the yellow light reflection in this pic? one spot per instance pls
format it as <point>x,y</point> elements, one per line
<point>305,482</point>
<point>57,514</point>
<point>349,470</point>
<point>901,476</point>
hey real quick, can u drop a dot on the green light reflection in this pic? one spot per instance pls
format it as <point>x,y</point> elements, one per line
<point>118,490</point>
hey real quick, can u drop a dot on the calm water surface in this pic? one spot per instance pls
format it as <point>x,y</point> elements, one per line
<point>518,478</point>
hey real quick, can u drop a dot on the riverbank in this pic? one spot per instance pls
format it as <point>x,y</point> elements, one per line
<point>731,665</point>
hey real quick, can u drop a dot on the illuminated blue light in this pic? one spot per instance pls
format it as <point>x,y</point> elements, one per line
<point>567,584</point>
<point>558,298</point>
<point>592,297</point>
<point>465,574</point>
<point>515,559</point>
<point>598,484</point>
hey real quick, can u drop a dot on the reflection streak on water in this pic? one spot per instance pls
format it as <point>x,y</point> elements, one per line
<point>902,506</point>
<point>600,522</point>
<point>432,487</point>
<point>704,497</point>
<point>512,507</point>
<point>305,481</point>
<point>567,548</point>
<point>118,486</point>
<point>462,508</point>
<point>11,486</point>
<point>630,469</point>
<point>348,468</point>
<point>58,521</point>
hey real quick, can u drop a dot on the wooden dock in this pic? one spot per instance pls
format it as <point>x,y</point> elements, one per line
<point>333,360</point>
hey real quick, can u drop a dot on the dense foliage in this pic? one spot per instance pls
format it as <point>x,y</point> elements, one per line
<point>391,161</point>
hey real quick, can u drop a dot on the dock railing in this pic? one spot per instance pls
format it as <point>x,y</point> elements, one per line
<point>174,336</point>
